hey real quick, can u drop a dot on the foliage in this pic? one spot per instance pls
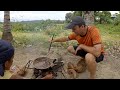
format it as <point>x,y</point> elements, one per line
<point>109,34</point>
<point>24,35</point>
<point>103,17</point>
<point>77,13</point>
<point>117,20</point>
<point>37,25</point>
<point>68,17</point>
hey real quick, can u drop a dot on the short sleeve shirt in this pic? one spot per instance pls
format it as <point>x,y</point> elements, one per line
<point>91,38</point>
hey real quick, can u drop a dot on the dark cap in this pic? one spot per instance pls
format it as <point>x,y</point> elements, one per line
<point>6,53</point>
<point>76,21</point>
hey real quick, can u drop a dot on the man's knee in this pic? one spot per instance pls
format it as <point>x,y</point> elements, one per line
<point>70,48</point>
<point>89,58</point>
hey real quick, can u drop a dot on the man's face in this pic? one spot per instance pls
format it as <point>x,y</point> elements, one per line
<point>79,30</point>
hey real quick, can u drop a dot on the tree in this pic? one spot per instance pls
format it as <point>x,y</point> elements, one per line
<point>68,17</point>
<point>96,15</point>
<point>103,16</point>
<point>7,35</point>
<point>117,20</point>
<point>77,13</point>
<point>88,17</point>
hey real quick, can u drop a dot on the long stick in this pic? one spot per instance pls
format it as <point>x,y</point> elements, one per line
<point>50,44</point>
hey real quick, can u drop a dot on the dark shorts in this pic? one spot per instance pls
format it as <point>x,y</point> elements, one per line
<point>82,53</point>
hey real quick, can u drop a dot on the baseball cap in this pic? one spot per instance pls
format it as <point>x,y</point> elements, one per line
<point>6,52</point>
<point>78,20</point>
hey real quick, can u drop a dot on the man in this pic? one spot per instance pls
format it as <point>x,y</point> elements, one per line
<point>89,43</point>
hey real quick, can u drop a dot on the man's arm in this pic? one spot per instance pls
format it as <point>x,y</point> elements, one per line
<point>95,50</point>
<point>96,39</point>
<point>63,39</point>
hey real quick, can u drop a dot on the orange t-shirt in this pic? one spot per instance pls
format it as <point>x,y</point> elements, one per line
<point>90,39</point>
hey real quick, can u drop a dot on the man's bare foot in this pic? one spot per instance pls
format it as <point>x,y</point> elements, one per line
<point>92,77</point>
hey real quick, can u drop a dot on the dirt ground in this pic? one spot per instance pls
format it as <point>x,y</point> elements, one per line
<point>107,69</point>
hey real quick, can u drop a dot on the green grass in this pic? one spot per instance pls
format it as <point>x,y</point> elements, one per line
<point>29,38</point>
<point>109,34</point>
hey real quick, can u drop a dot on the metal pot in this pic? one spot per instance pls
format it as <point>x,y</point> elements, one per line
<point>42,63</point>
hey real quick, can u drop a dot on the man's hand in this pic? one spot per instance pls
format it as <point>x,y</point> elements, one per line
<point>14,69</point>
<point>95,50</point>
<point>62,39</point>
<point>78,48</point>
<point>50,40</point>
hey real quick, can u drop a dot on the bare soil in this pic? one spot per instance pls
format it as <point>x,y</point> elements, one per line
<point>107,69</point>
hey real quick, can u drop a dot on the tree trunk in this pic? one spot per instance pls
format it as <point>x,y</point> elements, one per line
<point>100,21</point>
<point>89,17</point>
<point>7,35</point>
